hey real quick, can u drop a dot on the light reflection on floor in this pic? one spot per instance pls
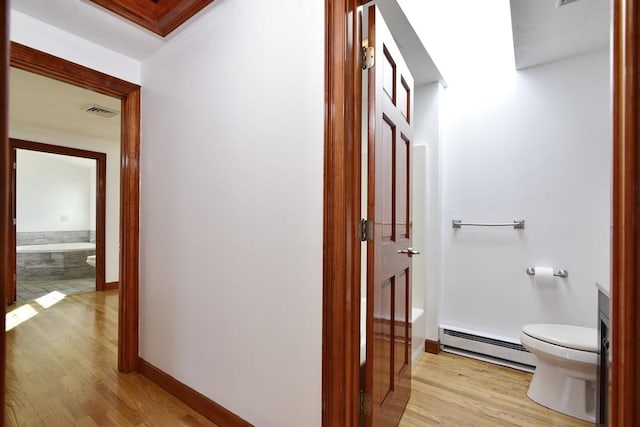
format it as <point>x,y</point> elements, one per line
<point>31,290</point>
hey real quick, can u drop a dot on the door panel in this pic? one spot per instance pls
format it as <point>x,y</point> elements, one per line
<point>390,95</point>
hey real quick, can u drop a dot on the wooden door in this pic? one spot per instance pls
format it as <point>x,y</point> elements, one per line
<point>390,94</point>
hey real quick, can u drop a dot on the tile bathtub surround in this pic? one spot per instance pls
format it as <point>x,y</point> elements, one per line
<point>54,265</point>
<point>24,238</point>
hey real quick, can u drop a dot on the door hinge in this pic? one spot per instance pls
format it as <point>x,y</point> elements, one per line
<point>14,221</point>
<point>15,165</point>
<point>366,230</point>
<point>365,403</point>
<point>368,57</point>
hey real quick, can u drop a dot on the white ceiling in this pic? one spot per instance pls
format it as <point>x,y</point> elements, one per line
<point>413,51</point>
<point>543,32</point>
<point>93,23</point>
<point>47,105</point>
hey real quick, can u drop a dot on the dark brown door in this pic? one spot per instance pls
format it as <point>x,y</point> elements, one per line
<point>390,93</point>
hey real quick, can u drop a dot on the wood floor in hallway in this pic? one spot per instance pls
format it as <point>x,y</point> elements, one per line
<point>62,369</point>
<point>451,390</point>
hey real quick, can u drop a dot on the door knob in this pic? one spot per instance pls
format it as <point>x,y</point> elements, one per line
<point>409,251</point>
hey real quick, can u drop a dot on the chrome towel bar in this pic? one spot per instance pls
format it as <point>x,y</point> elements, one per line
<point>516,223</point>
<point>531,271</point>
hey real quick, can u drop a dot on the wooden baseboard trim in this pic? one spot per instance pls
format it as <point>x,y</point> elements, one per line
<point>432,347</point>
<point>205,406</point>
<point>111,285</point>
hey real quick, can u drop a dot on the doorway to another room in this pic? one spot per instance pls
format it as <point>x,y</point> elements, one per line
<point>66,187</point>
<point>59,204</point>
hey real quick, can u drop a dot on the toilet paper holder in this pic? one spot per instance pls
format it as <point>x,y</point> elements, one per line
<point>531,271</point>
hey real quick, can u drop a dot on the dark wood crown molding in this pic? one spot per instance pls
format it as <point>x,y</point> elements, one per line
<point>158,16</point>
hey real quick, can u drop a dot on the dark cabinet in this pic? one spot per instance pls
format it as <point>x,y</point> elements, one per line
<point>602,417</point>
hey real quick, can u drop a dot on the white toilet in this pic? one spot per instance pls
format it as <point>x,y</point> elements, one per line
<point>91,260</point>
<point>566,374</point>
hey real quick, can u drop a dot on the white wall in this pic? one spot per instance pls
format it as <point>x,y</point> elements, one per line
<point>536,145</point>
<point>112,149</point>
<point>46,38</point>
<point>231,208</point>
<point>52,194</point>
<point>428,204</point>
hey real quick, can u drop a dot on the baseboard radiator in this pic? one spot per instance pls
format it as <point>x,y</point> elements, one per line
<point>481,346</point>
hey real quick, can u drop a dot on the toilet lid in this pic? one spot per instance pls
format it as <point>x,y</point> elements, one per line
<point>575,337</point>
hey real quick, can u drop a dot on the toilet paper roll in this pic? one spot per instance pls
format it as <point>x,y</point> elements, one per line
<point>544,276</point>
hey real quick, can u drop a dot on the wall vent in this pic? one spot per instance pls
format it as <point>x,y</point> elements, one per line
<point>498,350</point>
<point>99,110</point>
<point>563,2</point>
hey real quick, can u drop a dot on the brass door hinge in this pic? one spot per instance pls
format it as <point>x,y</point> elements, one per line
<point>368,57</point>
<point>366,230</point>
<point>365,403</point>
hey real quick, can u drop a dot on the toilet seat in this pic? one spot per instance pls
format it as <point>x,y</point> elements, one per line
<point>573,337</point>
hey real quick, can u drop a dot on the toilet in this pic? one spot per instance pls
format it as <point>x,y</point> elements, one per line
<point>566,373</point>
<point>91,260</point>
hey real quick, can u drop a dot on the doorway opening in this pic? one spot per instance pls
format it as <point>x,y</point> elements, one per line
<point>59,201</point>
<point>32,60</point>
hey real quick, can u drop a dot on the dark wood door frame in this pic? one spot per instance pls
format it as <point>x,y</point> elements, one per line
<point>341,279</point>
<point>342,187</point>
<point>625,282</point>
<point>101,200</point>
<point>41,63</point>
<point>6,171</point>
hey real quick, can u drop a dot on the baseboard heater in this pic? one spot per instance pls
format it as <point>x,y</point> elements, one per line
<point>493,349</point>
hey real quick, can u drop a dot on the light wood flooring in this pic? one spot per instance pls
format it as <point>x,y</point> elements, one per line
<point>62,371</point>
<point>451,390</point>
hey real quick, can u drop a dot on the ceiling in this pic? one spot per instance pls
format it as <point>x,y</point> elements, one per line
<point>543,32</point>
<point>98,25</point>
<point>45,105</point>
<point>158,16</point>
<point>422,67</point>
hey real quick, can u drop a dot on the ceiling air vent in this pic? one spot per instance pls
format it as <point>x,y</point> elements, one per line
<point>563,2</point>
<point>99,110</point>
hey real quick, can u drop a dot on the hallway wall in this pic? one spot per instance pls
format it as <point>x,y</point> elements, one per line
<point>231,209</point>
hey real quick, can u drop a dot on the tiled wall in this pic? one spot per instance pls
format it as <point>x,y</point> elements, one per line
<point>46,237</point>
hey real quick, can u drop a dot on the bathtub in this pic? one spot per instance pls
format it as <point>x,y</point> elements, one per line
<point>56,247</point>
<point>55,261</point>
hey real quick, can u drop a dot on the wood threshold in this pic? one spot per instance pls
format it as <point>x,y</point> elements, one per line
<point>101,198</point>
<point>197,401</point>
<point>432,347</point>
<point>32,60</point>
